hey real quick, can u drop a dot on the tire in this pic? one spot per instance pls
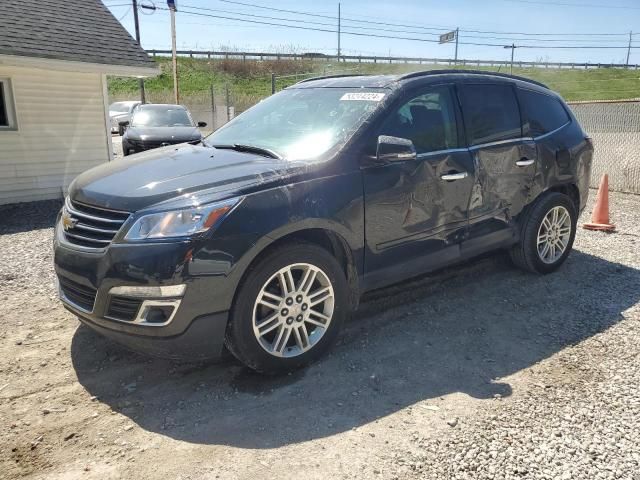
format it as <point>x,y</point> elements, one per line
<point>526,254</point>
<point>270,353</point>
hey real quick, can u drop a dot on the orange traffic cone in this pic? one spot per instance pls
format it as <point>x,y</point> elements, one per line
<point>600,215</point>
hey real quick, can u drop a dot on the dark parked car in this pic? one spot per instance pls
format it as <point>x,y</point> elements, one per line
<point>262,237</point>
<point>158,125</point>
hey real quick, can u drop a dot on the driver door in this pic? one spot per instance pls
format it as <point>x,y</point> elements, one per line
<point>416,210</point>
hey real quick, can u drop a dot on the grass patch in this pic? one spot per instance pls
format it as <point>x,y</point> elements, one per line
<point>250,81</point>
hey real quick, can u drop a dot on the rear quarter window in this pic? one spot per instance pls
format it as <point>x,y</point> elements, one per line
<point>491,112</point>
<point>544,113</point>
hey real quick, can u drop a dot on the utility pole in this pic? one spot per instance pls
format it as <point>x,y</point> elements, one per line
<point>513,49</point>
<point>629,48</point>
<point>137,25</point>
<point>338,32</point>
<point>172,8</point>
<point>455,59</point>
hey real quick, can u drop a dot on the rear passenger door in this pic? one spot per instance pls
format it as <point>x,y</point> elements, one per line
<point>544,119</point>
<point>505,162</point>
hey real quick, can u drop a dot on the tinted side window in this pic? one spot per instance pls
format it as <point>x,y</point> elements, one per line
<point>543,112</point>
<point>428,120</point>
<point>491,113</point>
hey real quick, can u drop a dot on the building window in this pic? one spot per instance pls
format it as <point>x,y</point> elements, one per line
<point>7,108</point>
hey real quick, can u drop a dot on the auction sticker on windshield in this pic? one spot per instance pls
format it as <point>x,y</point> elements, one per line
<point>363,96</point>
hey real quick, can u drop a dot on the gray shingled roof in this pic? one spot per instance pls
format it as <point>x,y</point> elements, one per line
<point>76,30</point>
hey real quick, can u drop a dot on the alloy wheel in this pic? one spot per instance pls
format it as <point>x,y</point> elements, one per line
<point>293,310</point>
<point>554,234</point>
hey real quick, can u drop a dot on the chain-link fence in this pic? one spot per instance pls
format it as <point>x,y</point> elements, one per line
<point>615,129</point>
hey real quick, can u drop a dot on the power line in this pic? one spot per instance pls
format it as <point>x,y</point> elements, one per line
<point>532,34</point>
<point>298,27</point>
<point>581,5</point>
<point>371,35</point>
<point>383,29</point>
<point>524,39</point>
<point>303,21</point>
<point>386,23</point>
<point>125,14</point>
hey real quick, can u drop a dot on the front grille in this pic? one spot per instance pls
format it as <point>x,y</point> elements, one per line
<point>77,294</point>
<point>140,146</point>
<point>123,308</point>
<point>91,227</point>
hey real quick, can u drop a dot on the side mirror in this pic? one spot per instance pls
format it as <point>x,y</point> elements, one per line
<point>202,124</point>
<point>122,126</point>
<point>395,149</point>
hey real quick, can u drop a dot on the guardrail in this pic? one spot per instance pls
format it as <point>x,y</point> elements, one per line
<point>378,59</point>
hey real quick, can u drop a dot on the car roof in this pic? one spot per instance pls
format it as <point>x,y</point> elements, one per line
<point>389,81</point>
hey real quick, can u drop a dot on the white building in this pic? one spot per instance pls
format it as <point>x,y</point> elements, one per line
<point>54,60</point>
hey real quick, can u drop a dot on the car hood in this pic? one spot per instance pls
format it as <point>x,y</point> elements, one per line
<point>177,176</point>
<point>157,134</point>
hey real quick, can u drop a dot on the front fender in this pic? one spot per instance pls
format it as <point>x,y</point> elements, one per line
<point>333,204</point>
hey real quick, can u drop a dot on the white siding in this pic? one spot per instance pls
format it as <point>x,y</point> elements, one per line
<point>61,132</point>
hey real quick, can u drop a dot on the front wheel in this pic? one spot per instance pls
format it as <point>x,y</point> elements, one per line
<point>547,234</point>
<point>289,308</point>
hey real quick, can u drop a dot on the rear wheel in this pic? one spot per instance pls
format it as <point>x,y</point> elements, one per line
<point>289,309</point>
<point>547,234</point>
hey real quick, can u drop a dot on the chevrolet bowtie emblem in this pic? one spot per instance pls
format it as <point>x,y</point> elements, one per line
<point>68,221</point>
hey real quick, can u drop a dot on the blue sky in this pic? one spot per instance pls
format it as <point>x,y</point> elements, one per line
<point>562,20</point>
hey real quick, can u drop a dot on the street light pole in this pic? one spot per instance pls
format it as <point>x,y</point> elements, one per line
<point>513,48</point>
<point>137,27</point>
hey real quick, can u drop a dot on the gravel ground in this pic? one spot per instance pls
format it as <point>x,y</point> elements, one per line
<point>479,371</point>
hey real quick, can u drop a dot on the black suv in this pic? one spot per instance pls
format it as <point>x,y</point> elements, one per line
<point>263,236</point>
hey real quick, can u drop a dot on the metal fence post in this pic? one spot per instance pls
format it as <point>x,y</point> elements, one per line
<point>273,83</point>
<point>213,109</point>
<point>228,99</point>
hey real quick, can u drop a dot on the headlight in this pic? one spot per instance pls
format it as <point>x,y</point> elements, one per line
<point>180,223</point>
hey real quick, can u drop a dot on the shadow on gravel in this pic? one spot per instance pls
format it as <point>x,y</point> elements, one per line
<point>459,330</point>
<point>25,217</point>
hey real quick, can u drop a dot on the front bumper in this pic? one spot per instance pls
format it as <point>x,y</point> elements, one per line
<point>203,339</point>
<point>194,330</point>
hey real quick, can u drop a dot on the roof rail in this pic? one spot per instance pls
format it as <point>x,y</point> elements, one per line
<point>323,77</point>
<point>472,72</point>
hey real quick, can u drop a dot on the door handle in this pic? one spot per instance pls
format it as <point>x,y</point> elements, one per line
<point>454,176</point>
<point>525,162</point>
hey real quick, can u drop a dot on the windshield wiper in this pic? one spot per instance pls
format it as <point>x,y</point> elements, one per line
<point>265,152</point>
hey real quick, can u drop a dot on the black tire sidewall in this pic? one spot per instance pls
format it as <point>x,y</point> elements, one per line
<point>538,213</point>
<point>240,337</point>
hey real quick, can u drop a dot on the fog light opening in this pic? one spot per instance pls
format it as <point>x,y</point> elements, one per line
<point>158,314</point>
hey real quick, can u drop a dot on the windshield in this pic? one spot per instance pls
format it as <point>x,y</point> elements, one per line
<point>161,117</point>
<point>120,107</point>
<point>300,124</point>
